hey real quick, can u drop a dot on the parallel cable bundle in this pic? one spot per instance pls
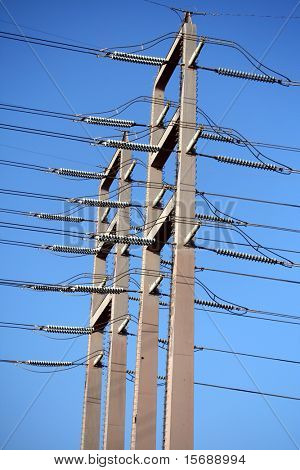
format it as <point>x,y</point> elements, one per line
<point>76,330</point>
<point>102,121</point>
<point>248,257</point>
<point>139,59</point>
<point>120,144</point>
<point>63,218</point>
<point>77,173</point>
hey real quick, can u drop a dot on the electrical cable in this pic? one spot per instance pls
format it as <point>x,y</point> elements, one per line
<point>237,353</point>
<point>290,281</point>
<point>236,389</point>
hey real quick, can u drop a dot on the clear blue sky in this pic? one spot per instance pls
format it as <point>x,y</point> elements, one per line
<point>39,415</point>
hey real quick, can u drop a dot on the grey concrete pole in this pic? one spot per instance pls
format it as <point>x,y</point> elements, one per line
<point>114,431</point>
<point>179,421</point>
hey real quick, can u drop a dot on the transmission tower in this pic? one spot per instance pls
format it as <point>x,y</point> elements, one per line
<point>160,225</point>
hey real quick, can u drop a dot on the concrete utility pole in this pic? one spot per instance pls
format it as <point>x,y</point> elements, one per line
<point>90,436</point>
<point>114,431</point>
<point>145,388</point>
<point>179,396</point>
<point>106,308</point>
<point>179,425</point>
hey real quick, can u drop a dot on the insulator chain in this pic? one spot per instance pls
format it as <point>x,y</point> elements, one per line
<point>219,138</point>
<point>163,304</point>
<point>127,145</point>
<point>137,299</point>
<point>166,262</point>
<point>72,249</point>
<point>248,163</point>
<point>214,218</point>
<point>48,363</point>
<point>248,75</point>
<point>100,290</point>
<point>75,288</point>
<point>131,297</point>
<point>163,341</point>
<point>63,218</point>
<point>249,257</point>
<point>101,121</point>
<point>211,303</point>
<point>132,372</point>
<point>99,203</point>
<point>130,240</point>
<point>77,173</point>
<point>77,330</point>
<point>139,59</point>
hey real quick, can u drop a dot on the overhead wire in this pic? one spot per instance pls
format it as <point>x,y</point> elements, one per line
<point>255,392</point>
<point>237,273</point>
<point>251,355</point>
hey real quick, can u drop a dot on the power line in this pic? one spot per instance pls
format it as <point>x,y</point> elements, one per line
<point>260,201</point>
<point>249,316</point>
<point>236,389</point>
<point>130,56</point>
<point>245,244</point>
<point>290,281</point>
<point>218,220</point>
<point>49,43</point>
<point>237,353</point>
<point>245,15</point>
<point>217,13</point>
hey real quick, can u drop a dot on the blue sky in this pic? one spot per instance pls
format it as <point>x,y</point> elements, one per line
<point>36,414</point>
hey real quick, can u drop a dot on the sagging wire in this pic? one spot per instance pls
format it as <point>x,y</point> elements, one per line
<point>254,244</point>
